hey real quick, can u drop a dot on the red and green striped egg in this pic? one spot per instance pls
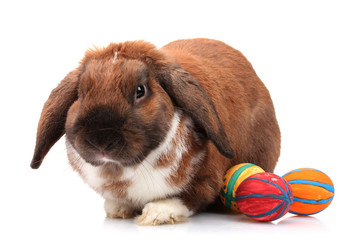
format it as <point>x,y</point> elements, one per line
<point>233,178</point>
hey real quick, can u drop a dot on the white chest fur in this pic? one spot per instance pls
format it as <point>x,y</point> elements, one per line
<point>146,182</point>
<point>149,183</point>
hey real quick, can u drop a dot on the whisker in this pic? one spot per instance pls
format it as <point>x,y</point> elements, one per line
<point>122,148</point>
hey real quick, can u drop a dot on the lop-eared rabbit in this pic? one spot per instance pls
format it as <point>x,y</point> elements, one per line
<point>154,130</point>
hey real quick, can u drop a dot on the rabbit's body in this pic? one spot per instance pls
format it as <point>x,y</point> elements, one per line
<point>241,100</point>
<point>154,131</point>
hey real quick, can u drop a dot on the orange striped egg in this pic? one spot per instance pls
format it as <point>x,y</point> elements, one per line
<point>313,190</point>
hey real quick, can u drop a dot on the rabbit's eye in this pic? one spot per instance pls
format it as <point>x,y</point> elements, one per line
<point>140,91</point>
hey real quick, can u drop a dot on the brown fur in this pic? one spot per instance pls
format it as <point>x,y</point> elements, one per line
<point>240,98</point>
<point>212,83</point>
<point>118,188</point>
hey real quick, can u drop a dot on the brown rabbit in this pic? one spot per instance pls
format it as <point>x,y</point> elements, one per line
<point>154,130</point>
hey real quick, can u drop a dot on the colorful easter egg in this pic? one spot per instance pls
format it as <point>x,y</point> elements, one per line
<point>233,179</point>
<point>313,190</point>
<point>264,197</point>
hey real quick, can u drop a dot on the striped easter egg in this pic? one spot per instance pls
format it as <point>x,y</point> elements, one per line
<point>264,197</point>
<point>313,190</point>
<point>232,180</point>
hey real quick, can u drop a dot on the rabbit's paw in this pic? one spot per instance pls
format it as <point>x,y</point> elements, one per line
<point>116,209</point>
<point>168,211</point>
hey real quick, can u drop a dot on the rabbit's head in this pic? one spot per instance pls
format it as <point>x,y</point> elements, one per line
<point>119,103</point>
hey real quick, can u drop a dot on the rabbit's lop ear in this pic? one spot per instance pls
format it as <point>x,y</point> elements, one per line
<point>189,95</point>
<point>51,125</point>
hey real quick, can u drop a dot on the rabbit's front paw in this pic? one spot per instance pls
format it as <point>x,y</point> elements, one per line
<point>116,209</point>
<point>167,211</point>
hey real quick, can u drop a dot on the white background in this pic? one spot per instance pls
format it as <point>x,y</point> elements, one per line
<point>308,53</point>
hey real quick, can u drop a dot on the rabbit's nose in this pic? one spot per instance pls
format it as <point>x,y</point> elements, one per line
<point>103,140</point>
<point>102,129</point>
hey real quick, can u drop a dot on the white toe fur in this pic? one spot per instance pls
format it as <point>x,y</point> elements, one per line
<point>116,209</point>
<point>164,211</point>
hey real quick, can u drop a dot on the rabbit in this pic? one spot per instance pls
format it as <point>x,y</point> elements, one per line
<point>153,131</point>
